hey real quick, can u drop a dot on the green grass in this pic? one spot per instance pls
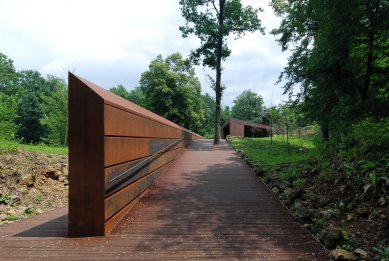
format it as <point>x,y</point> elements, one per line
<point>14,147</point>
<point>266,155</point>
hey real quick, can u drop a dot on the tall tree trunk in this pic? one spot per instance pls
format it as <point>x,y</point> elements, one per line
<point>218,89</point>
<point>325,132</point>
<point>370,44</point>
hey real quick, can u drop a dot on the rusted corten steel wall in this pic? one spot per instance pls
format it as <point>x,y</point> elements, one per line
<point>116,150</point>
<point>236,128</point>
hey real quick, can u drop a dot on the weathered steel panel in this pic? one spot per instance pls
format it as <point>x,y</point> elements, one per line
<point>112,184</point>
<point>117,149</point>
<point>117,201</point>
<point>86,160</point>
<point>118,122</point>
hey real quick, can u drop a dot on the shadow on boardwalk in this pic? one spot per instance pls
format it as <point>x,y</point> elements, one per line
<point>211,206</point>
<point>207,206</point>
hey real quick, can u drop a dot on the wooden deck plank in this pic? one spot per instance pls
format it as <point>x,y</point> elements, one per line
<point>207,206</point>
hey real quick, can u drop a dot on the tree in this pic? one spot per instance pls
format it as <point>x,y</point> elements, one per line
<point>8,75</point>
<point>247,106</point>
<point>337,59</point>
<point>173,91</point>
<point>212,23</point>
<point>55,112</point>
<point>208,104</point>
<point>32,89</point>
<point>8,126</point>
<point>136,96</point>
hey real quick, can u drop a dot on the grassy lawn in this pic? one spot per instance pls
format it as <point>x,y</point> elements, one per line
<point>13,147</point>
<point>266,155</point>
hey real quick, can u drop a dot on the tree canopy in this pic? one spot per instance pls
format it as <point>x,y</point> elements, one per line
<point>339,58</point>
<point>247,106</point>
<point>212,23</point>
<point>173,91</point>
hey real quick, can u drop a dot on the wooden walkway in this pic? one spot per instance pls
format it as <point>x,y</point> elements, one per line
<point>207,206</point>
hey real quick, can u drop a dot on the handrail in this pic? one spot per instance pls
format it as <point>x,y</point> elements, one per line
<point>145,161</point>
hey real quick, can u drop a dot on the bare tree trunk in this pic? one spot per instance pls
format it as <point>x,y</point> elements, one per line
<point>218,89</point>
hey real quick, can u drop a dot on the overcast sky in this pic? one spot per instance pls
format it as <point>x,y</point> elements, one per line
<point>113,42</point>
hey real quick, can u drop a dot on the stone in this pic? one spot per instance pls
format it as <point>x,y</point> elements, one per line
<point>3,217</point>
<point>289,193</point>
<point>65,170</point>
<point>275,190</point>
<point>284,184</point>
<point>382,201</point>
<point>361,253</point>
<point>300,211</point>
<point>52,173</point>
<point>330,236</point>
<point>13,200</point>
<point>27,180</point>
<point>11,212</point>
<point>364,210</point>
<point>61,178</point>
<point>341,254</point>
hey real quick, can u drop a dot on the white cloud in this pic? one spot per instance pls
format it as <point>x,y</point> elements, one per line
<point>113,42</point>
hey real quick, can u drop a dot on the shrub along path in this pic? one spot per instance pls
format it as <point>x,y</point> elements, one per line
<point>208,205</point>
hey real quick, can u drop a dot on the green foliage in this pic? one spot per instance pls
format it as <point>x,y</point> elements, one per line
<point>368,134</point>
<point>32,89</point>
<point>339,59</point>
<point>38,198</point>
<point>12,218</point>
<point>263,154</point>
<point>14,147</point>
<point>8,116</point>
<point>8,75</point>
<point>247,106</point>
<point>173,91</point>
<point>55,113</point>
<point>136,96</point>
<point>383,252</point>
<point>212,23</point>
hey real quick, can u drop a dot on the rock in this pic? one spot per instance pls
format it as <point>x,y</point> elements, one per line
<point>3,217</point>
<point>52,173</point>
<point>350,217</point>
<point>11,212</point>
<point>13,200</point>
<point>364,210</point>
<point>61,178</point>
<point>382,201</point>
<point>284,184</point>
<point>65,170</point>
<point>275,190</point>
<point>301,212</point>
<point>27,180</point>
<point>341,254</point>
<point>289,193</point>
<point>330,236</point>
<point>361,253</point>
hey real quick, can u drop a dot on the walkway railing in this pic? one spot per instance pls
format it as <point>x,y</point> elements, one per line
<point>116,151</point>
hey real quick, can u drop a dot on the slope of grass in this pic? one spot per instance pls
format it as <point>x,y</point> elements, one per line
<point>13,147</point>
<point>266,155</point>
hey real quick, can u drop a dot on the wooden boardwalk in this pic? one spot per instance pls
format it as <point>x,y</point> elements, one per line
<point>207,206</point>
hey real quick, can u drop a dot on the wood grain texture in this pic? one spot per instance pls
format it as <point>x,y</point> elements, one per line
<point>207,206</point>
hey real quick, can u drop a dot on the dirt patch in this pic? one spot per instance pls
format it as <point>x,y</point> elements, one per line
<point>31,183</point>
